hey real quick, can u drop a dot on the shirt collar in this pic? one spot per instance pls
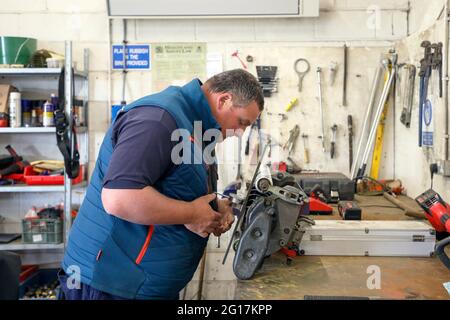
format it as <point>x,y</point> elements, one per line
<point>194,95</point>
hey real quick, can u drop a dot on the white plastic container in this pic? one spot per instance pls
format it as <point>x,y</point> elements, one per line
<point>54,62</point>
<point>15,110</point>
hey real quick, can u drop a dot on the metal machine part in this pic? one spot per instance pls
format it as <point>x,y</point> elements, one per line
<point>270,220</point>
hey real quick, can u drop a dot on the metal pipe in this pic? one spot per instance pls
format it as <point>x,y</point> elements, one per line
<point>109,69</point>
<point>68,90</point>
<point>366,120</point>
<point>380,108</point>
<point>446,79</point>
<point>124,69</point>
<point>86,108</point>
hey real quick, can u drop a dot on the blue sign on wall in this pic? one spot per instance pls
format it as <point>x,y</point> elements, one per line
<point>137,56</point>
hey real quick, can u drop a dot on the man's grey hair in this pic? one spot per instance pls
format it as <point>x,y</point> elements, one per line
<point>243,86</point>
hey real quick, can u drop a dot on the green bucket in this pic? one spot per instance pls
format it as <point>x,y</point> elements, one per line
<point>16,50</point>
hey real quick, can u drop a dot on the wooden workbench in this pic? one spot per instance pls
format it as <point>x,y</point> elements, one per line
<point>401,278</point>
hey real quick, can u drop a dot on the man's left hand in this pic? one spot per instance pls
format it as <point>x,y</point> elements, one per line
<point>224,208</point>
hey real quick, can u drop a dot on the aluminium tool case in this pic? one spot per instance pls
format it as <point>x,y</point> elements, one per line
<point>369,238</point>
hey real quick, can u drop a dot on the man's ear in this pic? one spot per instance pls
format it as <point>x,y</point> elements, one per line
<point>223,98</point>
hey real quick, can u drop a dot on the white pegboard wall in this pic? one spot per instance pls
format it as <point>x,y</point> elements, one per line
<point>362,62</point>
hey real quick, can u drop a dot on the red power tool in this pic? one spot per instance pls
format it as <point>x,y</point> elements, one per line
<point>438,214</point>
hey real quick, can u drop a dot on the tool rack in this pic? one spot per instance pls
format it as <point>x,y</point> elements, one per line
<point>40,142</point>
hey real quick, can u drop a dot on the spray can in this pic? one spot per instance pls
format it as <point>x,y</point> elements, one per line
<point>15,110</point>
<point>48,119</point>
<point>26,113</point>
<point>54,100</point>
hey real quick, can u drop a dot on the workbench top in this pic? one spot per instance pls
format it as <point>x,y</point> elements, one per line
<point>400,278</point>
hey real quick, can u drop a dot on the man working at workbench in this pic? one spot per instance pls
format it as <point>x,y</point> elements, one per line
<point>144,223</point>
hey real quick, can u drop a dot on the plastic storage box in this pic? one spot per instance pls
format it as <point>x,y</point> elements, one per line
<point>39,279</point>
<point>42,230</point>
<point>32,178</point>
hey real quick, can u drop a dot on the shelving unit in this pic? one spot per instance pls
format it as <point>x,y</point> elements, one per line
<point>45,80</point>
<point>17,245</point>
<point>38,72</point>
<point>37,130</point>
<point>25,188</point>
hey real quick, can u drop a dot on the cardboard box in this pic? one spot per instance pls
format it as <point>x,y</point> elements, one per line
<point>5,90</point>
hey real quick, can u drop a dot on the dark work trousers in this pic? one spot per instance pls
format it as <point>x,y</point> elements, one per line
<point>84,293</point>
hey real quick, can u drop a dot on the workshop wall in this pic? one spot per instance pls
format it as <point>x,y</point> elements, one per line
<point>85,22</point>
<point>412,162</point>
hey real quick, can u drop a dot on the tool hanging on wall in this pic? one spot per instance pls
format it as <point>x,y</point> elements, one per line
<point>378,148</point>
<point>291,104</point>
<point>305,148</point>
<point>301,67</point>
<point>333,140</point>
<point>424,75</point>
<point>255,126</point>
<point>333,71</point>
<point>344,83</point>
<point>236,55</point>
<point>436,63</point>
<point>407,92</point>
<point>290,143</point>
<point>267,78</point>
<point>350,141</point>
<point>431,67</point>
<point>372,98</point>
<point>362,154</point>
<point>279,114</point>
<point>319,87</point>
<point>66,135</point>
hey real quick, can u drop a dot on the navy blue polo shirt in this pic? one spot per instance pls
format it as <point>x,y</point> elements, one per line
<point>142,144</point>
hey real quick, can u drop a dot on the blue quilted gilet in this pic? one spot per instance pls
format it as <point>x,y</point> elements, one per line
<point>138,261</point>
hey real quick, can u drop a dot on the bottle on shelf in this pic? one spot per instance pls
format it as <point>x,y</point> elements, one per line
<point>26,112</point>
<point>15,110</point>
<point>48,119</point>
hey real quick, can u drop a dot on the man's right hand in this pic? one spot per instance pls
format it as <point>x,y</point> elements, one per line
<point>204,219</point>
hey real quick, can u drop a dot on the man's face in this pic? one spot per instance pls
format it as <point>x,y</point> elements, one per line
<point>234,119</point>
